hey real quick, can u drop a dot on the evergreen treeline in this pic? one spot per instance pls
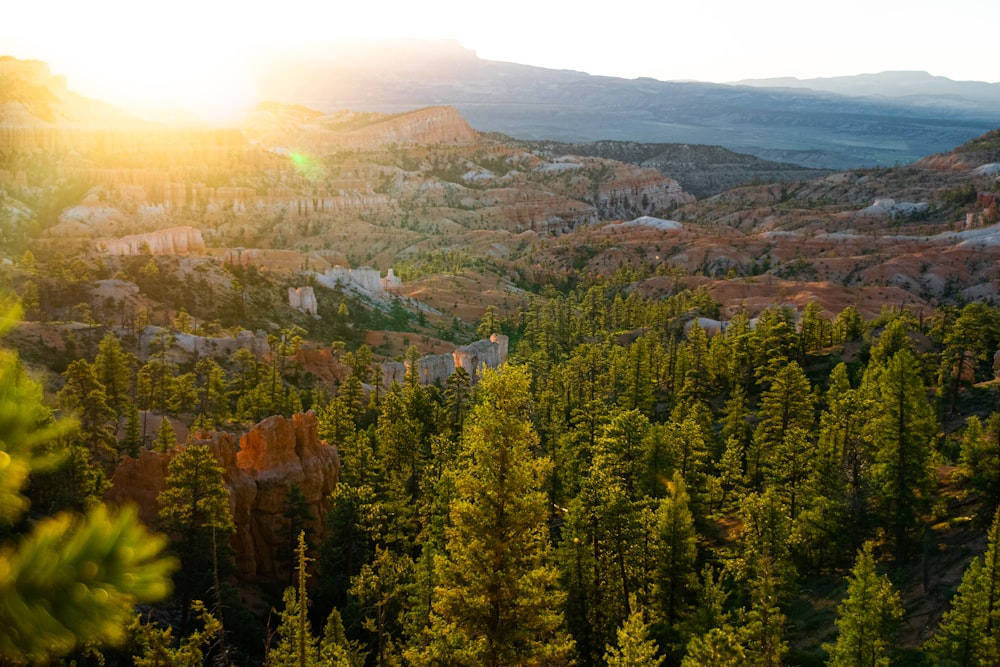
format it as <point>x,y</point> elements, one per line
<point>627,490</point>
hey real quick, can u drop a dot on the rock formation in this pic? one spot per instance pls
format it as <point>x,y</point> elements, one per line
<point>364,278</point>
<point>890,208</point>
<point>274,456</point>
<point>271,259</point>
<point>303,298</point>
<point>186,346</point>
<point>172,241</point>
<point>491,352</point>
<point>391,283</point>
<point>636,191</point>
<point>437,368</point>
<point>393,372</point>
<point>279,454</point>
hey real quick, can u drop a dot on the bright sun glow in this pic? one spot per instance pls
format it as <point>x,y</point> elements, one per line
<point>199,55</point>
<point>179,59</point>
<point>157,80</point>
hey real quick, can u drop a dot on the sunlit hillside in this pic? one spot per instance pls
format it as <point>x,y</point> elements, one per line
<point>380,388</point>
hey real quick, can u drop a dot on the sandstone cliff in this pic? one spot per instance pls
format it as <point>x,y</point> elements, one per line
<point>274,456</point>
<point>328,133</point>
<point>172,241</point>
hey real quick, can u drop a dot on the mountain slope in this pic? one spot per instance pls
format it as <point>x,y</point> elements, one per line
<point>701,170</point>
<point>816,129</point>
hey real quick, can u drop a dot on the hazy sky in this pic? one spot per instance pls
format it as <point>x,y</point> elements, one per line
<point>139,52</point>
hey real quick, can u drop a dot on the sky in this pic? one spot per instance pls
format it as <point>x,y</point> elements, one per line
<point>137,53</point>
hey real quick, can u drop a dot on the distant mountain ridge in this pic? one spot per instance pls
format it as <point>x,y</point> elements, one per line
<point>807,127</point>
<point>701,170</point>
<point>920,88</point>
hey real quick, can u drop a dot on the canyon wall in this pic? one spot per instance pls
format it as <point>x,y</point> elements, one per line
<point>172,241</point>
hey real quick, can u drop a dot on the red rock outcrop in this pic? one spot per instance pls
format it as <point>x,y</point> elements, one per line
<point>139,482</point>
<point>274,456</point>
<point>279,454</point>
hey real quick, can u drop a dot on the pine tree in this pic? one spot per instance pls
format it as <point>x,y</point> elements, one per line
<point>786,405</point>
<point>156,644</point>
<point>957,640</point>
<point>710,611</point>
<point>132,442</point>
<point>622,441</point>
<point>603,557</point>
<point>848,325</point>
<point>812,329</point>
<point>335,649</point>
<point>837,513</point>
<point>763,625</point>
<point>900,432</point>
<point>458,396</point>
<point>489,324</point>
<point>969,634</point>
<point>687,442</point>
<point>166,437</point>
<point>867,618</point>
<point>70,579</point>
<point>498,601</point>
<point>194,510</point>
<point>336,423</point>
<point>84,395</point>
<point>351,393</point>
<point>210,392</point>
<point>297,646</point>
<point>677,551</point>
<point>980,459</point>
<point>378,591</point>
<point>115,369</point>
<point>966,343</point>
<point>719,647</point>
<point>296,515</point>
<point>635,648</point>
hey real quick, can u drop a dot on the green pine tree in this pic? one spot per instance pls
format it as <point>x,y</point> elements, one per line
<point>785,406</point>
<point>297,646</point>
<point>635,648</point>
<point>132,442</point>
<point>194,511</point>
<point>980,459</point>
<point>166,437</point>
<point>969,634</point>
<point>155,646</point>
<point>867,618</point>
<point>900,432</point>
<point>115,369</point>
<point>69,579</point>
<point>719,647</point>
<point>677,551</point>
<point>498,600</point>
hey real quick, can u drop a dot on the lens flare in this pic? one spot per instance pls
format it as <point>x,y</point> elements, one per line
<point>307,166</point>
